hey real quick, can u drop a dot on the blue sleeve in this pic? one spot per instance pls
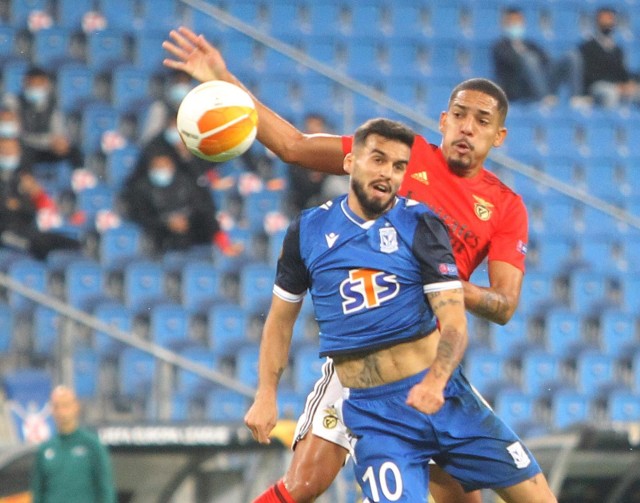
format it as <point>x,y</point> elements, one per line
<point>291,274</point>
<point>432,248</point>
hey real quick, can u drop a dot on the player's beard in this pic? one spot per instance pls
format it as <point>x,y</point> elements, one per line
<point>372,207</point>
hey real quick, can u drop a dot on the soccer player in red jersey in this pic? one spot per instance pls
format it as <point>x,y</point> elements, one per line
<point>484,217</point>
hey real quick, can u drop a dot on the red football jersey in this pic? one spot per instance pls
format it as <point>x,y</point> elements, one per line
<point>485,218</point>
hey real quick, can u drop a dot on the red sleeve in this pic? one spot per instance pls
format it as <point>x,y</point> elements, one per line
<point>347,142</point>
<point>509,243</point>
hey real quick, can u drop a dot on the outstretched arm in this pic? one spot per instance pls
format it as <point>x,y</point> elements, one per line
<point>194,55</point>
<point>497,302</point>
<point>274,356</point>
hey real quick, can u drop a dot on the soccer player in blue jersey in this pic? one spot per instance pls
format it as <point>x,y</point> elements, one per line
<point>380,270</point>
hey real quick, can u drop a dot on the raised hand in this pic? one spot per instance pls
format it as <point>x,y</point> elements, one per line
<point>194,55</point>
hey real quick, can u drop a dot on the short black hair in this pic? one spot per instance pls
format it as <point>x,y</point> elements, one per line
<point>511,9</point>
<point>485,86</point>
<point>606,8</point>
<point>387,128</point>
<point>36,71</point>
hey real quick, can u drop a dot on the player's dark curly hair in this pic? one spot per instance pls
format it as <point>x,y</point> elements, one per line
<point>387,128</point>
<point>485,86</point>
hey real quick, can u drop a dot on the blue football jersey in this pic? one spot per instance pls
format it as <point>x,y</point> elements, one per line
<point>367,279</point>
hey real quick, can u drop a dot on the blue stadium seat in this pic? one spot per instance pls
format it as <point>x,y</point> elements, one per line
<point>129,86</point>
<point>74,87</point>
<point>6,328</point>
<point>116,315</point>
<point>563,332</point>
<point>510,340</point>
<point>92,200</point>
<point>227,328</point>
<point>159,15</point>
<point>136,372</point>
<point>189,383</point>
<point>20,10</point>
<point>51,47</point>
<point>121,15</point>
<point>69,13</point>
<point>409,20</point>
<point>13,71</point>
<point>307,367</point>
<point>485,370</point>
<point>258,204</point>
<point>143,284</point>
<point>587,291</point>
<point>256,285</point>
<point>84,283</point>
<point>623,406</point>
<point>30,273</point>
<point>290,403</point>
<point>169,325</point>
<point>595,373</point>
<point>631,292</point>
<point>246,369</point>
<point>120,164</point>
<point>635,372</point>
<point>225,405</point>
<point>7,42</point>
<point>201,286</point>
<point>597,254</point>
<point>147,45</point>
<point>86,373</point>
<point>541,372</point>
<point>445,18</point>
<point>569,408</point>
<point>617,333</point>
<point>106,48</point>
<point>96,119</point>
<point>119,245</point>
<point>538,292</point>
<point>516,408</point>
<point>46,326</point>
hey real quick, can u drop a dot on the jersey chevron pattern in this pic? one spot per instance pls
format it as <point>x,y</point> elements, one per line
<point>367,277</point>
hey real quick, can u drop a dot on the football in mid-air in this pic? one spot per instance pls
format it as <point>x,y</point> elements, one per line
<point>217,121</point>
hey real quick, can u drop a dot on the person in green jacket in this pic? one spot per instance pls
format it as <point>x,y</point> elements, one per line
<point>73,466</point>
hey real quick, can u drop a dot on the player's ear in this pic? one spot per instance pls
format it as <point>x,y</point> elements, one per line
<point>501,135</point>
<point>443,119</point>
<point>347,164</point>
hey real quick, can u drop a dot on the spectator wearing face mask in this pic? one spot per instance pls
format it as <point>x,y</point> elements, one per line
<point>43,131</point>
<point>524,69</point>
<point>9,123</point>
<point>176,87</point>
<point>175,210</point>
<point>606,76</point>
<point>21,200</point>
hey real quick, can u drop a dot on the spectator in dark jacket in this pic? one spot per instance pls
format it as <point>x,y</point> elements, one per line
<point>606,76</point>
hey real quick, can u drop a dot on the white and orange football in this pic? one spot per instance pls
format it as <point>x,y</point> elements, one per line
<point>217,121</point>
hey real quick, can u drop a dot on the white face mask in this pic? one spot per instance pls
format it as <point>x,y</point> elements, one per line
<point>9,129</point>
<point>36,95</point>
<point>9,162</point>
<point>161,177</point>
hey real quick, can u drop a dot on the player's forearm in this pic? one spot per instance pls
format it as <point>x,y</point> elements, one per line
<point>488,303</point>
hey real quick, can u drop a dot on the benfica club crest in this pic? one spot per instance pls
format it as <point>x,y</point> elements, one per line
<point>483,209</point>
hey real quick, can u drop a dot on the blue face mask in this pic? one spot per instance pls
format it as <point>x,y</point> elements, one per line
<point>177,92</point>
<point>515,31</point>
<point>161,177</point>
<point>36,95</point>
<point>171,135</point>
<point>9,162</point>
<point>9,129</point>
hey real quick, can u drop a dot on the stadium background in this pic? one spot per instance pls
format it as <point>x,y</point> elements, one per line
<point>568,358</point>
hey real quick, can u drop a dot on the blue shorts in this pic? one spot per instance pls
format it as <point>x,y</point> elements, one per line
<point>394,442</point>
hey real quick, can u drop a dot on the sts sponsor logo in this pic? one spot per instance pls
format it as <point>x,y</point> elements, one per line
<point>367,288</point>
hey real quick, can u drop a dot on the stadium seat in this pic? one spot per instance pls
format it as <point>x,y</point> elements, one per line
<point>147,44</point>
<point>116,315</point>
<point>31,274</point>
<point>159,15</point>
<point>631,292</point>
<point>623,406</point>
<point>258,204</point>
<point>246,369</point>
<point>106,48</point>
<point>635,373</point>
<point>189,383</point>
<point>563,333</point>
<point>46,330</point>
<point>96,119</point>
<point>617,333</point>
<point>225,405</point>
<point>86,373</point>
<point>129,86</point>
<point>409,20</point>
<point>169,325</point>
<point>595,373</point>
<point>227,328</point>
<point>74,86</point>
<point>20,10</point>
<point>201,286</point>
<point>587,291</point>
<point>7,42</point>
<point>120,164</point>
<point>51,47</point>
<point>13,71</point>
<point>485,370</point>
<point>136,373</point>
<point>121,15</point>
<point>538,292</point>
<point>290,403</point>
<point>84,283</point>
<point>6,328</point>
<point>516,408</point>
<point>144,285</point>
<point>92,200</point>
<point>569,408</point>
<point>541,373</point>
<point>69,13</point>
<point>307,367</point>
<point>256,285</point>
<point>119,245</point>
<point>510,340</point>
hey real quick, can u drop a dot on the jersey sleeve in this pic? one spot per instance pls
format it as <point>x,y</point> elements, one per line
<point>432,248</point>
<point>292,278</point>
<point>347,143</point>
<point>509,243</point>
